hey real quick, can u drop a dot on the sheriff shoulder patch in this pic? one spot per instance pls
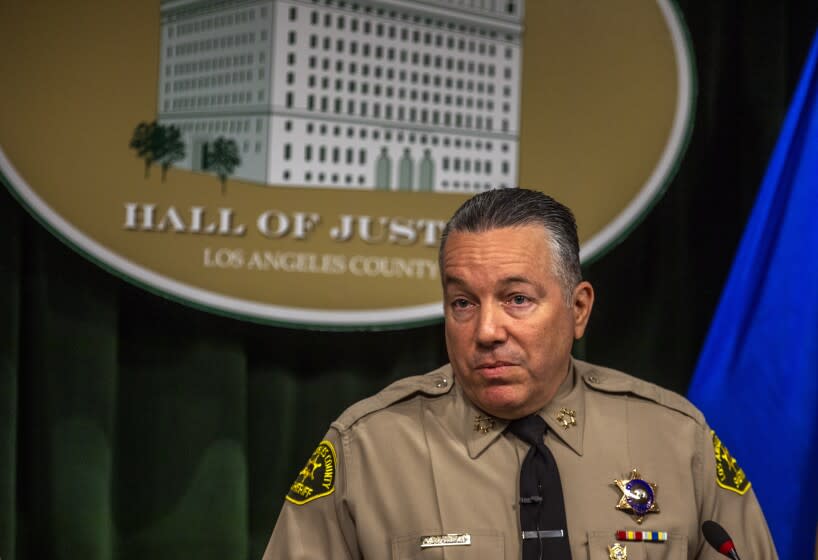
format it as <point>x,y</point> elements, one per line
<point>728,474</point>
<point>317,478</point>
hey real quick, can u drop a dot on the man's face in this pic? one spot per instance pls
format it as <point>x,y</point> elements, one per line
<point>509,330</point>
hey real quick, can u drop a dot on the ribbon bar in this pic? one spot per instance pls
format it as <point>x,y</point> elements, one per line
<point>648,536</point>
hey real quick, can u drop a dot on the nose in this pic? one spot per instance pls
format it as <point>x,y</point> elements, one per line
<point>491,329</point>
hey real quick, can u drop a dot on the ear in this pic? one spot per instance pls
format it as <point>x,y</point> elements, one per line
<point>581,304</point>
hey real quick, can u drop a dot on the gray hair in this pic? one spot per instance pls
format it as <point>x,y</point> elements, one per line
<point>503,208</point>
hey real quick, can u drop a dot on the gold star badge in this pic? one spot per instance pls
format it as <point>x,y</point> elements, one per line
<point>483,424</point>
<point>638,496</point>
<point>567,417</point>
<point>618,552</point>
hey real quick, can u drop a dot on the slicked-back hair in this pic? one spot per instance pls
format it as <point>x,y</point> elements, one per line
<point>503,208</point>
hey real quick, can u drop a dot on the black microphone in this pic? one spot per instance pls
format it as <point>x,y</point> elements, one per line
<point>719,539</point>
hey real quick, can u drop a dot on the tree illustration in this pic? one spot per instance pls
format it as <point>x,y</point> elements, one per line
<point>144,142</point>
<point>155,142</point>
<point>223,159</point>
<point>169,147</point>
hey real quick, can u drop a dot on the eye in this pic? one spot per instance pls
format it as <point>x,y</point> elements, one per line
<point>518,300</point>
<point>460,303</point>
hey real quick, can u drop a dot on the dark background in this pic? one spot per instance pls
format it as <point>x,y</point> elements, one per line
<point>132,426</point>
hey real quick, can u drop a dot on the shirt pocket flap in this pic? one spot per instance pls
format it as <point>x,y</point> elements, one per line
<point>601,543</point>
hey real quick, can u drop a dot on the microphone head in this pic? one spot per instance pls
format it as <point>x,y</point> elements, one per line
<point>718,537</point>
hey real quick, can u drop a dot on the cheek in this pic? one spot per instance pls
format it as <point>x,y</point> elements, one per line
<point>457,336</point>
<point>546,343</point>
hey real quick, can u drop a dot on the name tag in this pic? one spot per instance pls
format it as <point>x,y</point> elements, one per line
<point>450,539</point>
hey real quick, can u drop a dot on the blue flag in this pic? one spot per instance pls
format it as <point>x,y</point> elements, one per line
<point>757,376</point>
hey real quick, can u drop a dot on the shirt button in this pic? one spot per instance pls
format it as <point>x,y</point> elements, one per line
<point>442,382</point>
<point>593,379</point>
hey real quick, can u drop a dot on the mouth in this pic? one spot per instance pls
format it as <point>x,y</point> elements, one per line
<point>495,369</point>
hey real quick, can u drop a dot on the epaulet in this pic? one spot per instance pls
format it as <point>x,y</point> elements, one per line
<point>612,381</point>
<point>435,383</point>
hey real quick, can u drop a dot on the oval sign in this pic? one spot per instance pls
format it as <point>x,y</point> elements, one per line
<point>293,162</point>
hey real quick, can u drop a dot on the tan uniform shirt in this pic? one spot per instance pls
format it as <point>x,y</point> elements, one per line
<point>417,460</point>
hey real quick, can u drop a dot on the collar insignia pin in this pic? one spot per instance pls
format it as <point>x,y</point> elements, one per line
<point>638,496</point>
<point>618,552</point>
<point>567,418</point>
<point>483,424</point>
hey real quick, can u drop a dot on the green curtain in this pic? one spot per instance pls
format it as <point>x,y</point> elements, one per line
<point>135,427</point>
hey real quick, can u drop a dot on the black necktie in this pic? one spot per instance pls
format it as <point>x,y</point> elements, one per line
<point>542,507</point>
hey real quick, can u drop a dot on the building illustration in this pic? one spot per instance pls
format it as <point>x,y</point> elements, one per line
<point>396,95</point>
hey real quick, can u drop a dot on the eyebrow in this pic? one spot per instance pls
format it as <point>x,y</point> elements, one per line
<point>449,279</point>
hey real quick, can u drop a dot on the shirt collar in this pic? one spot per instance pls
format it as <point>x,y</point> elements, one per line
<point>481,430</point>
<point>567,405</point>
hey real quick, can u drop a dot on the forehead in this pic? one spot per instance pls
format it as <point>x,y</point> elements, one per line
<point>497,251</point>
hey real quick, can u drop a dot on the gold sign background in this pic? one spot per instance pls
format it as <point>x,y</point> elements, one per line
<point>600,100</point>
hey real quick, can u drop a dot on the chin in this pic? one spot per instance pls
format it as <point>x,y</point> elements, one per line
<point>500,403</point>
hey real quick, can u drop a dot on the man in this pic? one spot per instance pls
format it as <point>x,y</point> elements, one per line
<point>445,465</point>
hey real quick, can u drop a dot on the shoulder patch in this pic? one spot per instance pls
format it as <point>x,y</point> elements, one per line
<point>728,474</point>
<point>317,478</point>
<point>435,383</point>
